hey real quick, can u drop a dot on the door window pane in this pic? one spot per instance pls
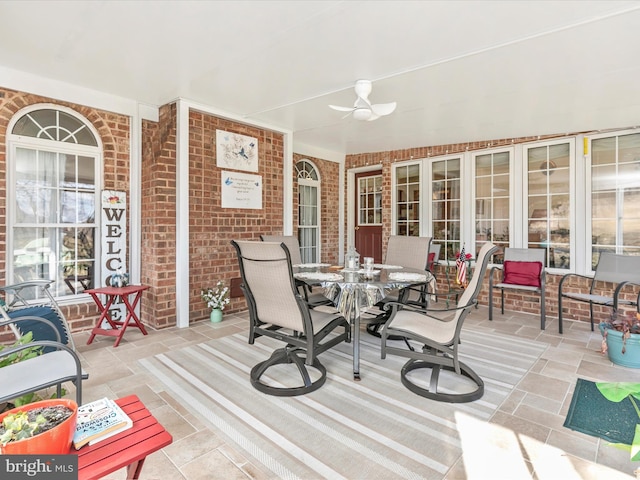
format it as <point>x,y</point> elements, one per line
<point>492,199</point>
<point>549,202</point>
<point>445,190</point>
<point>615,192</point>
<point>408,200</point>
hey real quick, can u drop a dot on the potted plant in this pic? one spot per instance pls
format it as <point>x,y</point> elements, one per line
<point>621,338</point>
<point>43,427</point>
<point>216,299</point>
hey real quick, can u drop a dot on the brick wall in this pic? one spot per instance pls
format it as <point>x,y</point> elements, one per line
<point>212,227</point>
<point>158,229</point>
<point>513,300</point>
<point>113,130</point>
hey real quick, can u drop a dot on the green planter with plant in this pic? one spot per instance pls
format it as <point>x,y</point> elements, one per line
<point>621,338</point>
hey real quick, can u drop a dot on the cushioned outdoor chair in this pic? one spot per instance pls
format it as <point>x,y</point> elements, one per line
<point>29,307</point>
<point>57,364</point>
<point>522,270</point>
<point>408,252</point>
<point>314,299</point>
<point>439,336</point>
<point>277,310</point>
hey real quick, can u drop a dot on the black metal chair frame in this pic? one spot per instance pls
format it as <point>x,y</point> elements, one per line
<point>437,355</point>
<point>303,345</point>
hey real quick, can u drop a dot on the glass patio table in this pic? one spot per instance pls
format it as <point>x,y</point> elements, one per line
<point>354,291</point>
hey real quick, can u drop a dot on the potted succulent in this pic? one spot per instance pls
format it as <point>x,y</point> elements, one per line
<point>621,338</point>
<point>216,299</point>
<point>43,427</point>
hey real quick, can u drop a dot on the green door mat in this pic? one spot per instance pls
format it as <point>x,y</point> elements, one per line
<point>593,414</point>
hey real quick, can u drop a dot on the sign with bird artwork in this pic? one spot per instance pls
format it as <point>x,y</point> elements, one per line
<point>235,151</point>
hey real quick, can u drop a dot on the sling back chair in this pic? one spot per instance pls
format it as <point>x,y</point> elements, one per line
<point>440,337</point>
<point>619,270</point>
<point>408,252</point>
<point>277,310</point>
<point>522,270</point>
<point>314,299</point>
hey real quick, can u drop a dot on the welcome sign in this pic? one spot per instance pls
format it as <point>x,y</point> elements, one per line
<point>114,244</point>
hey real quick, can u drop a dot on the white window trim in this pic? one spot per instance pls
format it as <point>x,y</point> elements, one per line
<point>13,142</point>
<point>317,184</point>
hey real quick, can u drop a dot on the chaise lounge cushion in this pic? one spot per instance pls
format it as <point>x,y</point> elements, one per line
<point>522,273</point>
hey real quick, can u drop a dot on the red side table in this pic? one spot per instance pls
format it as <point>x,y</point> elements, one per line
<point>126,449</point>
<point>117,327</point>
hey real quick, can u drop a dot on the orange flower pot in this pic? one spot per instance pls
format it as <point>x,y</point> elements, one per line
<point>56,441</point>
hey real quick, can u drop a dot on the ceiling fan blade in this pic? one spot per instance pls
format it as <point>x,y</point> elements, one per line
<point>381,109</point>
<point>342,109</point>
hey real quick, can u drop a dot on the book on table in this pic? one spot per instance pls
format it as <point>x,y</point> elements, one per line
<point>98,421</point>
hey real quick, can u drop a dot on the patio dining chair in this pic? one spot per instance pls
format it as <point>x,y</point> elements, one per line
<point>314,299</point>
<point>407,252</point>
<point>438,331</point>
<point>277,310</point>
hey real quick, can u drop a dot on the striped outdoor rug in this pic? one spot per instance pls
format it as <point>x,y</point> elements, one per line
<point>371,429</point>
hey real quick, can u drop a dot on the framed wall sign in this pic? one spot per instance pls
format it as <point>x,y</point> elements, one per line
<point>241,190</point>
<point>236,151</point>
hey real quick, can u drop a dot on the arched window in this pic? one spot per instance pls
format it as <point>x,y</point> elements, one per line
<point>53,176</point>
<point>308,211</point>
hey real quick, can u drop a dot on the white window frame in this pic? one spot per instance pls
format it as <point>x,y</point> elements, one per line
<point>522,223</point>
<point>13,142</point>
<point>422,210</point>
<point>309,182</point>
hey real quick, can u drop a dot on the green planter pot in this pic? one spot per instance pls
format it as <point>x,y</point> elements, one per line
<point>631,357</point>
<point>216,315</point>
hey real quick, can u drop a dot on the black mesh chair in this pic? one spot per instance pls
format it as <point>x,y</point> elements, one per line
<point>277,310</point>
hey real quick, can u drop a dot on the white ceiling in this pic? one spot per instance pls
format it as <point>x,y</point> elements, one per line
<point>460,71</point>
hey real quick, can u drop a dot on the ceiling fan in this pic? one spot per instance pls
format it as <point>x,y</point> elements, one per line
<point>362,108</point>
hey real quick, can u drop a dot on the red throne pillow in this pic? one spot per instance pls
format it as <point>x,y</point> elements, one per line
<point>431,258</point>
<point>522,273</point>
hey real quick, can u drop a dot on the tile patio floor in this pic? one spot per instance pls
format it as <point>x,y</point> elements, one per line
<point>528,424</point>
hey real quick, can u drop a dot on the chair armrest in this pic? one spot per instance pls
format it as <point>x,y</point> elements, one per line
<point>32,318</point>
<point>402,306</point>
<point>566,276</point>
<point>41,373</point>
<point>619,288</point>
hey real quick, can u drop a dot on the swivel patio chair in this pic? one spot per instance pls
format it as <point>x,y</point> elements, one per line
<point>314,299</point>
<point>440,336</point>
<point>522,270</point>
<point>277,310</point>
<point>408,252</point>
